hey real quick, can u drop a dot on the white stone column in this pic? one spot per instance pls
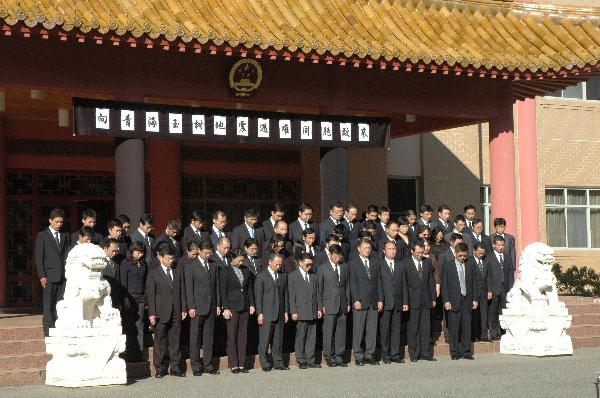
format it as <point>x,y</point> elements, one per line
<point>130,190</point>
<point>334,178</point>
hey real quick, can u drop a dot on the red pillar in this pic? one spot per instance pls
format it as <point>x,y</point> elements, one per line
<point>528,173</point>
<point>502,161</point>
<point>164,165</point>
<point>3,240</point>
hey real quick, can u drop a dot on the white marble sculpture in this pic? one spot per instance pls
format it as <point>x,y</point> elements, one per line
<point>535,321</point>
<point>87,340</point>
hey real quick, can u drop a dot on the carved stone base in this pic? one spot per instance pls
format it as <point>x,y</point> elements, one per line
<point>85,357</point>
<point>535,335</point>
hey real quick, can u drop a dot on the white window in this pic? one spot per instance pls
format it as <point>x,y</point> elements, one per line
<point>573,217</point>
<point>588,91</point>
<point>486,208</point>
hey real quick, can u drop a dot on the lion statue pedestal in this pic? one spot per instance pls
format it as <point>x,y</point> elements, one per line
<point>87,340</point>
<point>535,321</point>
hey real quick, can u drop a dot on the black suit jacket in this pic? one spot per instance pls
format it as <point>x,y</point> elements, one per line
<point>395,289</point>
<point>333,294</point>
<point>216,258</point>
<point>190,235</point>
<point>367,290</point>
<point>509,247</point>
<point>351,228</point>
<point>235,296</point>
<point>482,275</point>
<point>302,297</point>
<point>137,236</point>
<point>201,287</point>
<point>97,239</point>
<point>240,234</point>
<point>325,229</point>
<point>401,247</point>
<point>440,224</point>
<point>495,281</point>
<point>267,230</point>
<point>451,285</point>
<point>49,257</point>
<point>214,237</point>
<point>295,231</point>
<point>271,298</point>
<point>421,292</point>
<point>164,301</point>
<point>258,267</point>
<point>176,247</point>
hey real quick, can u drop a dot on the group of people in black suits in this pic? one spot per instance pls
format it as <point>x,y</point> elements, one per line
<point>378,272</point>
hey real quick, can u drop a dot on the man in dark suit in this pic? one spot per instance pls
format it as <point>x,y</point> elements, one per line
<point>443,221</point>
<point>268,226</point>
<point>383,216</point>
<point>88,219</point>
<point>219,221</point>
<point>366,291</point>
<point>459,295</point>
<point>111,271</point>
<point>501,278</point>
<point>395,299</point>
<point>304,221</point>
<point>350,222</point>
<point>246,230</point>
<point>323,255</point>
<point>86,234</point>
<point>272,307</point>
<point>479,324</point>
<point>476,236</point>
<point>459,225</point>
<point>252,262</point>
<point>221,256</point>
<point>421,299</point>
<point>333,296</point>
<point>509,240</point>
<point>302,289</point>
<point>50,255</point>
<point>308,239</point>
<point>115,231</point>
<point>126,225</point>
<point>196,230</point>
<point>425,213</point>
<point>336,210</point>
<point>390,235</point>
<point>203,304</point>
<point>165,298</point>
<point>469,214</point>
<point>142,234</point>
<point>411,216</point>
<point>281,228</point>
<point>171,237</point>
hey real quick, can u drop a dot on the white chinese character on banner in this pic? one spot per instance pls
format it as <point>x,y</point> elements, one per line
<point>198,126</point>
<point>346,131</point>
<point>102,118</point>
<point>175,120</point>
<point>306,130</point>
<point>326,131</point>
<point>220,125</point>
<point>285,129</point>
<point>263,128</point>
<point>127,120</point>
<point>152,122</point>
<point>242,125</point>
<point>363,132</point>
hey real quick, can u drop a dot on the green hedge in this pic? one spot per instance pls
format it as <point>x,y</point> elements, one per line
<point>578,281</point>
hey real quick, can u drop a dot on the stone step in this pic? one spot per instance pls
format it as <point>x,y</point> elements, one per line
<point>21,333</point>
<point>574,300</point>
<point>586,341</point>
<point>24,361</point>
<point>583,330</point>
<point>19,347</point>
<point>586,319</point>
<point>22,376</point>
<point>584,308</point>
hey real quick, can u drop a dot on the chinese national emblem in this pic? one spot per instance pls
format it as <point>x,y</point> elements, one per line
<point>245,77</point>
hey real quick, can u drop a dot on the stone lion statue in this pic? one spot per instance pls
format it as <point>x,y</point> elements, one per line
<point>536,286</point>
<point>87,302</point>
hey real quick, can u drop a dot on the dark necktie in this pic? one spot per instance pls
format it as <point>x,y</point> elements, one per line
<point>253,264</point>
<point>57,238</point>
<point>170,276</point>
<point>502,265</point>
<point>367,268</point>
<point>198,233</point>
<point>420,269</point>
<point>148,239</point>
<point>337,271</point>
<point>391,263</point>
<point>480,265</point>
<point>304,226</point>
<point>205,264</point>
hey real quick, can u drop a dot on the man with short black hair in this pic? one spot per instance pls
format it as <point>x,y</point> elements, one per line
<point>509,240</point>
<point>336,211</point>
<point>425,212</point>
<point>246,230</point>
<point>443,221</point>
<point>115,231</point>
<point>469,213</point>
<point>221,256</point>
<point>111,271</point>
<point>88,219</point>
<point>50,255</point>
<point>252,261</point>
<point>501,279</point>
<point>479,324</point>
<point>303,222</point>
<point>171,237</point>
<point>219,221</point>
<point>268,226</point>
<point>142,234</point>
<point>350,222</point>
<point>323,256</point>
<point>196,229</point>
<point>126,225</point>
<point>459,295</point>
<point>459,225</point>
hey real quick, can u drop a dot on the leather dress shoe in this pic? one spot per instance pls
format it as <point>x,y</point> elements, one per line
<point>281,368</point>
<point>455,357</point>
<point>430,359</point>
<point>212,371</point>
<point>177,373</point>
<point>387,361</point>
<point>302,366</point>
<point>331,364</point>
<point>359,362</point>
<point>243,370</point>
<point>414,359</point>
<point>160,375</point>
<point>342,364</point>
<point>267,369</point>
<point>371,361</point>
<point>235,371</point>
<point>197,373</point>
<point>469,357</point>
<point>397,360</point>
<point>314,366</point>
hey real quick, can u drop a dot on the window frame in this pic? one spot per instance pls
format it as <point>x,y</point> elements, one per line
<point>486,208</point>
<point>583,90</point>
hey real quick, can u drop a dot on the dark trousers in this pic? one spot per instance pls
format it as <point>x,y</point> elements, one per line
<point>390,334</point>
<point>202,328</point>
<point>133,324</point>
<point>304,344</point>
<point>52,293</point>
<point>271,332</point>
<point>166,345</point>
<point>494,311</point>
<point>237,337</point>
<point>418,332</point>
<point>459,324</point>
<point>364,322</point>
<point>479,320</point>
<point>334,337</point>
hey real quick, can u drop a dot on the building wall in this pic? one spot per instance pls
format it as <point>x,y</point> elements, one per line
<point>367,177</point>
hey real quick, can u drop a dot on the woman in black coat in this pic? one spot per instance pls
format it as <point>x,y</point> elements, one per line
<point>237,299</point>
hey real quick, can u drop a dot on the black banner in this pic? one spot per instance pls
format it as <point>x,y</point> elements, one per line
<point>141,120</point>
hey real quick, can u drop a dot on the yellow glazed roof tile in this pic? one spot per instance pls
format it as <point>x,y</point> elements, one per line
<point>487,34</point>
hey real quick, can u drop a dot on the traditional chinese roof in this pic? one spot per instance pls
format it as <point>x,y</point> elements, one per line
<point>488,35</point>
